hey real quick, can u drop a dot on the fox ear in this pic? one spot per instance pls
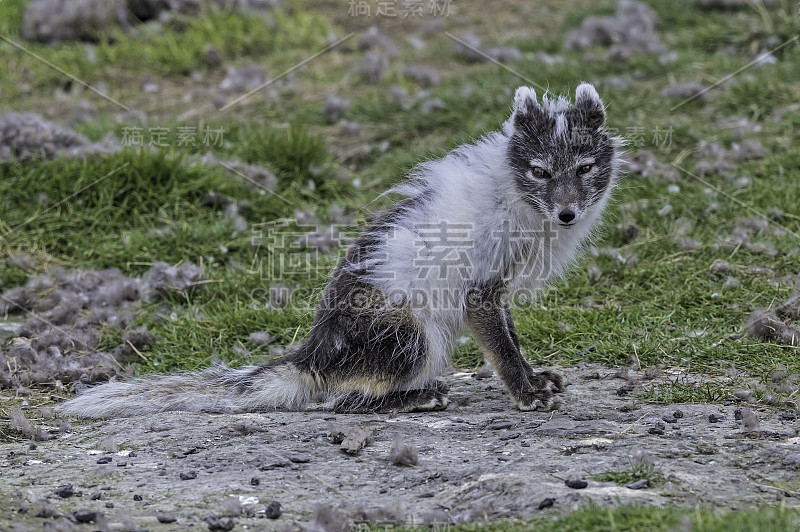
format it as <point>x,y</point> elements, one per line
<point>525,105</point>
<point>588,102</point>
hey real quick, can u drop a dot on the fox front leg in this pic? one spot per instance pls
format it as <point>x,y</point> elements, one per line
<point>490,321</point>
<point>544,378</point>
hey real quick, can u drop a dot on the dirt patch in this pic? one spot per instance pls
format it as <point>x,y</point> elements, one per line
<point>58,341</point>
<point>479,460</point>
<point>26,136</point>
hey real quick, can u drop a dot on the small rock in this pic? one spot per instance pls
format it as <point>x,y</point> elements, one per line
<point>274,462</point>
<point>216,522</point>
<point>65,492</point>
<point>546,503</point>
<point>274,510</point>
<point>85,516</point>
<point>164,517</point>
<point>625,390</point>
<point>716,418</point>
<point>638,485</point>
<point>104,460</point>
<point>137,497</point>
<point>500,425</point>
<point>353,438</point>
<point>576,484</point>
<point>299,458</point>
<point>255,481</point>
<point>109,504</point>
<point>678,414</point>
<point>188,475</point>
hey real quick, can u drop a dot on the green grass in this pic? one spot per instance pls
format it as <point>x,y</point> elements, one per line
<point>645,519</point>
<point>623,478</point>
<point>171,53</point>
<point>679,392</point>
<point>665,307</point>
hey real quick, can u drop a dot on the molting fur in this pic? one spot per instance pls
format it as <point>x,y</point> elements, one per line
<point>475,228</point>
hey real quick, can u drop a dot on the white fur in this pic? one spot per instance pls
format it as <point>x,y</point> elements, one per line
<point>473,186</point>
<point>561,124</point>
<point>524,98</point>
<point>213,390</point>
<point>587,91</point>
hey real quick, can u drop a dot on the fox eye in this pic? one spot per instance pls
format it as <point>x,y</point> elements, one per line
<point>585,169</point>
<point>539,172</point>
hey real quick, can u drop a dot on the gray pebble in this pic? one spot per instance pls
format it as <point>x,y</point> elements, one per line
<point>576,484</point>
<point>85,516</point>
<point>164,517</point>
<point>274,510</point>
<point>216,522</point>
<point>638,485</point>
<point>546,503</point>
<point>65,492</point>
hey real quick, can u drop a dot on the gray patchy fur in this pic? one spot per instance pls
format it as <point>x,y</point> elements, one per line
<point>527,200</point>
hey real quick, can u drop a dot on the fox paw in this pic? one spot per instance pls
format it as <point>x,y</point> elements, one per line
<point>428,401</point>
<point>537,400</point>
<point>548,380</point>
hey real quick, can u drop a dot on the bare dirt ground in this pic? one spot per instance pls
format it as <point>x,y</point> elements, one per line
<point>478,460</point>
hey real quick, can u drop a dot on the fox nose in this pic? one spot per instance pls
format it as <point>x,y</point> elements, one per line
<point>566,216</point>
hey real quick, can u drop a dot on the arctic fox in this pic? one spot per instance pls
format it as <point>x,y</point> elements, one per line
<point>477,227</point>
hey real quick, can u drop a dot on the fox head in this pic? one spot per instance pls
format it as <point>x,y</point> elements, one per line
<point>563,161</point>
